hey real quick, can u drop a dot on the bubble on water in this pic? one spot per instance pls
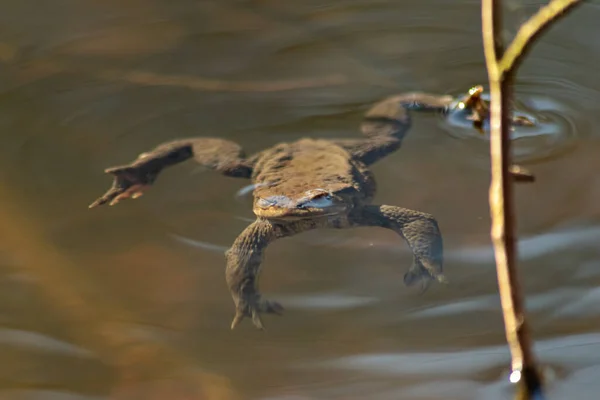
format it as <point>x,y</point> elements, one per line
<point>515,376</point>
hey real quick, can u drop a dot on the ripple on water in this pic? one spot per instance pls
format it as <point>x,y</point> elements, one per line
<point>534,246</point>
<point>47,394</point>
<point>570,353</point>
<point>326,301</point>
<point>17,338</point>
<point>556,131</point>
<point>560,302</point>
<point>199,244</point>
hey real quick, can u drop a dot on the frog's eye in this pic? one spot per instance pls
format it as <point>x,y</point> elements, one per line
<point>321,201</point>
<point>320,193</point>
<point>265,203</point>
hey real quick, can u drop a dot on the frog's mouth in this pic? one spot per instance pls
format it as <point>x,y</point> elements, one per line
<point>282,207</point>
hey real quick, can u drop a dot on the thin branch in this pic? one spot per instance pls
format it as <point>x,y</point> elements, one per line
<point>532,29</point>
<point>491,24</point>
<point>501,198</point>
<point>501,68</point>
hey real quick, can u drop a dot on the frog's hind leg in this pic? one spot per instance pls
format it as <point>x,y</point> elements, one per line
<point>421,232</point>
<point>131,180</point>
<point>387,122</point>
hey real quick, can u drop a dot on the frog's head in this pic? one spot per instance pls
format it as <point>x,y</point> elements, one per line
<point>309,204</point>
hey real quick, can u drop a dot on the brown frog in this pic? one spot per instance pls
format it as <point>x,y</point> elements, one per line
<point>300,186</point>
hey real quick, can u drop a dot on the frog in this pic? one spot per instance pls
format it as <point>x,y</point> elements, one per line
<point>304,185</point>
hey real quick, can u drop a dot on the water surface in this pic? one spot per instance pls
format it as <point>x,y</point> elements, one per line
<point>130,302</point>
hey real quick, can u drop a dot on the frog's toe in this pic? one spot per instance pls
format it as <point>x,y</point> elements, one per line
<point>253,313</point>
<point>254,310</point>
<point>257,321</point>
<point>272,307</point>
<point>117,199</point>
<point>425,284</point>
<point>239,316</point>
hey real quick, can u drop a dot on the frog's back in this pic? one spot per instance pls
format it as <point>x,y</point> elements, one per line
<point>292,168</point>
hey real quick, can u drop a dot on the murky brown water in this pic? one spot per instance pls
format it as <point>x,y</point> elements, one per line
<point>130,302</point>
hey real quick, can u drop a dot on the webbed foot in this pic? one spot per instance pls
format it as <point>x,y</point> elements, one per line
<point>253,310</point>
<point>426,282</point>
<point>418,273</point>
<point>421,232</point>
<point>129,183</point>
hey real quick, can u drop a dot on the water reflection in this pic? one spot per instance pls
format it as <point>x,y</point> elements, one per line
<point>574,354</point>
<point>535,246</point>
<point>554,131</point>
<point>37,342</point>
<point>199,244</point>
<point>131,303</point>
<point>326,301</point>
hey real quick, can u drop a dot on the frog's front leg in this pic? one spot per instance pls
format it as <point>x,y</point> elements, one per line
<point>421,232</point>
<point>244,260</point>
<point>131,180</point>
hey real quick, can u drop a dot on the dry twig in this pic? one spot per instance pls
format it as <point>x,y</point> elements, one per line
<point>502,66</point>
